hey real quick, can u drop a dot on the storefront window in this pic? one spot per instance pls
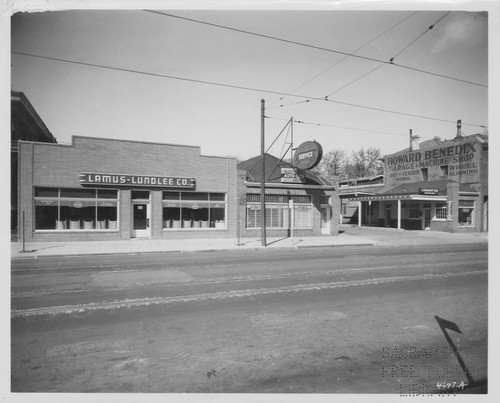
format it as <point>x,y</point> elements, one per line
<point>194,210</point>
<point>303,217</point>
<point>466,213</point>
<point>276,216</point>
<point>414,210</point>
<point>278,211</point>
<point>75,209</point>
<point>441,211</point>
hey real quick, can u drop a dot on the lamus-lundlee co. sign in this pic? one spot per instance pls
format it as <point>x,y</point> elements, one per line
<point>136,180</point>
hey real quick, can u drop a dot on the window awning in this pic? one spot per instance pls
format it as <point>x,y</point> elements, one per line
<point>416,197</point>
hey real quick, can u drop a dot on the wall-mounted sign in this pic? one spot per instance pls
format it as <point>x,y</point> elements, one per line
<point>136,180</point>
<point>307,155</point>
<point>428,191</point>
<point>458,161</point>
<point>292,175</point>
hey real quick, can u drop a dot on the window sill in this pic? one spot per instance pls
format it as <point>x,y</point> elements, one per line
<point>65,231</point>
<point>193,229</point>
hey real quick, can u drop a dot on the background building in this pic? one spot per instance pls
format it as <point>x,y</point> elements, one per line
<point>26,125</point>
<point>357,187</point>
<point>441,186</point>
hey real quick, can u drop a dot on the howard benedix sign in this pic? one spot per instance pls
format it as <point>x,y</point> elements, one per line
<point>460,160</point>
<point>136,180</point>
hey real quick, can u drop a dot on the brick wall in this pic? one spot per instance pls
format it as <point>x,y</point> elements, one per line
<point>278,232</point>
<point>56,165</point>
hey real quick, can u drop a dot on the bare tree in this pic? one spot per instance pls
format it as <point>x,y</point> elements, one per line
<point>332,164</point>
<point>361,163</point>
<point>366,162</point>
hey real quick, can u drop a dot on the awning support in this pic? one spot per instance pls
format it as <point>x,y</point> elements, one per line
<point>399,213</point>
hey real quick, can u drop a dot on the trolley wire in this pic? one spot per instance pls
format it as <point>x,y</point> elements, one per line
<point>344,127</point>
<point>313,47</point>
<point>391,61</point>
<point>346,57</point>
<point>261,90</point>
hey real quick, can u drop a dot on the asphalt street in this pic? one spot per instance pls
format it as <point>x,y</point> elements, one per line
<point>316,320</point>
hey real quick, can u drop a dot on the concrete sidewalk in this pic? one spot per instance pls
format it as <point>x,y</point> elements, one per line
<point>36,249</point>
<point>349,236</point>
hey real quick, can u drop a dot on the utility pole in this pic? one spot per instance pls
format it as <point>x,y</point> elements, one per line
<point>411,140</point>
<point>290,203</point>
<point>263,177</point>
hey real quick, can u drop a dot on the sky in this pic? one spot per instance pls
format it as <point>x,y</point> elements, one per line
<point>369,100</point>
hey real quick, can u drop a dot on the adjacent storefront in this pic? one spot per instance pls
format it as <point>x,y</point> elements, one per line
<point>442,186</point>
<point>297,202</point>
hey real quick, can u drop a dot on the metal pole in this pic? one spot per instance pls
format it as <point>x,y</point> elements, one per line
<point>292,215</point>
<point>24,237</point>
<point>263,178</point>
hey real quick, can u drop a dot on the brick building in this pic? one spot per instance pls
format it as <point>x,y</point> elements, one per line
<point>26,125</point>
<point>300,205</point>
<point>103,189</point>
<point>442,186</point>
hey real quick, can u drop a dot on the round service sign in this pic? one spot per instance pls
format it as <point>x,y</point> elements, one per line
<point>307,155</point>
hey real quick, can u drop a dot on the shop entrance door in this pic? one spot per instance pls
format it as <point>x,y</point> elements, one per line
<point>325,220</point>
<point>427,218</point>
<point>140,220</point>
<point>387,216</point>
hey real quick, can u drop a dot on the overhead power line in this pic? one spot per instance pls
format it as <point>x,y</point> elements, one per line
<point>312,46</point>
<point>354,52</point>
<point>307,98</point>
<point>344,127</point>
<point>391,61</point>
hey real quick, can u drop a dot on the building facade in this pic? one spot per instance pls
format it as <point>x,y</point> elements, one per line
<point>364,186</point>
<point>441,186</point>
<point>104,189</point>
<point>26,125</point>
<point>298,203</point>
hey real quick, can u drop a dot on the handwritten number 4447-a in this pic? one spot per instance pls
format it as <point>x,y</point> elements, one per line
<point>450,385</point>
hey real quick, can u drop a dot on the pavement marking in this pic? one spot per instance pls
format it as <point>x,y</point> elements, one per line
<point>234,279</point>
<point>141,302</point>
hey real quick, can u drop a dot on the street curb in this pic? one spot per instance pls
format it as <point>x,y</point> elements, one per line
<point>190,251</point>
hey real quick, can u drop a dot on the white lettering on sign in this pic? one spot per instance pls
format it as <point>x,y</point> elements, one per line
<point>141,180</point>
<point>308,154</point>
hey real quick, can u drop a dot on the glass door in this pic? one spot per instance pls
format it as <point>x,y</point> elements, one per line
<point>427,218</point>
<point>140,220</point>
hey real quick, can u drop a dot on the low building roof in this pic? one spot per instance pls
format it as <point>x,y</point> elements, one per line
<point>273,165</point>
<point>417,189</point>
